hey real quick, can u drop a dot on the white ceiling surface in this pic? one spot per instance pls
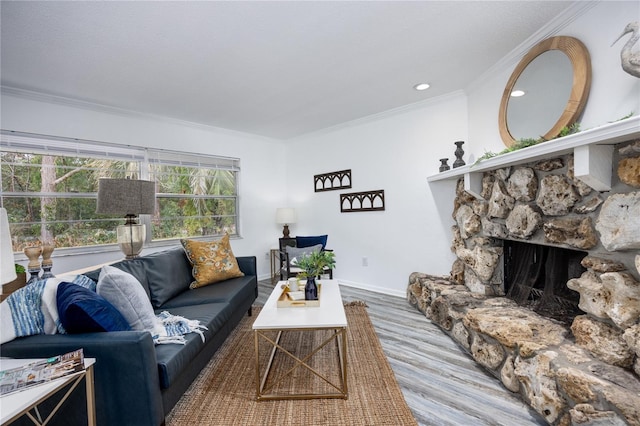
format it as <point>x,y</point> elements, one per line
<point>276,69</point>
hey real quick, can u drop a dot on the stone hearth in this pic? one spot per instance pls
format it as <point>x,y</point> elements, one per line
<point>585,374</point>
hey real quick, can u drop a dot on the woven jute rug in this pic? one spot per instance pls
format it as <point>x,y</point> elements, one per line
<point>225,391</point>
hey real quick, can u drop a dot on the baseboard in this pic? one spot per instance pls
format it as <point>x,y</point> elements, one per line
<point>368,287</point>
<point>264,277</point>
<point>375,289</point>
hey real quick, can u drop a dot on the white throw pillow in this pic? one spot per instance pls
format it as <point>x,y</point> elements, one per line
<point>296,253</point>
<point>125,292</point>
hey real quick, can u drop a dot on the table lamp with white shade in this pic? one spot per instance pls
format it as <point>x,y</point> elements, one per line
<point>7,262</point>
<point>285,216</point>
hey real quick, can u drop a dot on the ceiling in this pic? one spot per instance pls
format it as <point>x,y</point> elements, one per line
<point>275,69</point>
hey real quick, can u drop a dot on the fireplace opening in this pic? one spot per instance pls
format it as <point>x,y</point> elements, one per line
<point>535,276</point>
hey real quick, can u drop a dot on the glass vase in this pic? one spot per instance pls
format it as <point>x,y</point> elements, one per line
<point>311,289</point>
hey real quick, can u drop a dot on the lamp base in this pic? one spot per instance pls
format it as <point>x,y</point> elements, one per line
<point>11,286</point>
<point>131,238</point>
<point>285,231</point>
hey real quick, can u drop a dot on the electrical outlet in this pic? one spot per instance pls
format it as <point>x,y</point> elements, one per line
<point>365,261</point>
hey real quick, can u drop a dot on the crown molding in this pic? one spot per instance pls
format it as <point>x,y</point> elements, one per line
<point>108,109</point>
<point>113,110</point>
<point>382,115</point>
<point>552,28</point>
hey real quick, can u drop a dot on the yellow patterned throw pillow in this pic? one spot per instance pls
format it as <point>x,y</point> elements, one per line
<point>212,261</point>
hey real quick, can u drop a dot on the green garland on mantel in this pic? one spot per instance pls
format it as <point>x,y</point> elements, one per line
<point>527,142</point>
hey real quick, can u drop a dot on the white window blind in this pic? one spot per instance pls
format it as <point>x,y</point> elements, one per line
<point>52,145</point>
<point>175,158</point>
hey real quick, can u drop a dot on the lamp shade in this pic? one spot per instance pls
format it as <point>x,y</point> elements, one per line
<point>126,196</point>
<point>7,265</point>
<point>285,215</point>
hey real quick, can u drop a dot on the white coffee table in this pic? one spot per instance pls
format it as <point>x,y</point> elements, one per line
<point>17,404</point>
<point>329,315</point>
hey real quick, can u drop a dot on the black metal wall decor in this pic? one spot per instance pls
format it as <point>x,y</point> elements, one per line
<point>367,201</point>
<point>332,181</point>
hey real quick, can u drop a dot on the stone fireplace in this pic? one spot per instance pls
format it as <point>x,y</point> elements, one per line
<point>583,366</point>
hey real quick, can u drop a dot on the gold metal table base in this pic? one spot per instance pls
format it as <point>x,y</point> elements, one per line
<point>76,378</point>
<point>263,392</point>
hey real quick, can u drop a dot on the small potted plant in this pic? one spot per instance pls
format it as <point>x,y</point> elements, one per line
<point>20,270</point>
<point>313,265</point>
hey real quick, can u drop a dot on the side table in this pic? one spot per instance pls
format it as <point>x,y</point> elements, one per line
<point>25,402</point>
<point>274,255</point>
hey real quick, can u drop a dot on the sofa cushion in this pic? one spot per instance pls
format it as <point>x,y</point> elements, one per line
<point>302,241</point>
<point>125,292</point>
<point>168,273</point>
<point>134,267</point>
<point>233,291</point>
<point>174,359</point>
<point>83,311</point>
<point>212,261</point>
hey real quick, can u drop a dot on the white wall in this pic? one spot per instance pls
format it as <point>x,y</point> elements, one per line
<point>395,152</point>
<point>261,161</point>
<point>613,94</point>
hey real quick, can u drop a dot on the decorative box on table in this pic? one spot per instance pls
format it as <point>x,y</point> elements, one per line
<point>295,299</point>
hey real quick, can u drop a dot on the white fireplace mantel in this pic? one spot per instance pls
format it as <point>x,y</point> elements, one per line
<point>592,149</point>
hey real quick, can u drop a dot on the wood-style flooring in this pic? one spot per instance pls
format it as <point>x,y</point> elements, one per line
<point>441,383</point>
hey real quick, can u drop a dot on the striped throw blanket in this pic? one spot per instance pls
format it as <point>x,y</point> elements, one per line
<point>33,310</point>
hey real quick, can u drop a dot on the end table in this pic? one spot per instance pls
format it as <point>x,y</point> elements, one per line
<point>25,402</point>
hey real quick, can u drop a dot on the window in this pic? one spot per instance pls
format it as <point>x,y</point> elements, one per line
<point>196,195</point>
<point>49,188</point>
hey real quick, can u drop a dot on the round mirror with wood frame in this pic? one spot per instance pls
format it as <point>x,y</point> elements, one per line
<point>570,108</point>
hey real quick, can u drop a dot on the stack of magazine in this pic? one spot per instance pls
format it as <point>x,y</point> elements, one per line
<point>41,371</point>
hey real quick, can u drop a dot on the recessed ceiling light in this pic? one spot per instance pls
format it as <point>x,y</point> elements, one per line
<point>517,93</point>
<point>421,86</point>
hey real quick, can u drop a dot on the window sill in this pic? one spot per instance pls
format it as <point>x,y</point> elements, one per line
<point>112,248</point>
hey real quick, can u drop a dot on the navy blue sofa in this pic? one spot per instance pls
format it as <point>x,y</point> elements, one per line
<point>136,382</point>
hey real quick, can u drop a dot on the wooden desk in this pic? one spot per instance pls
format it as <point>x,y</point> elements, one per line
<point>25,402</point>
